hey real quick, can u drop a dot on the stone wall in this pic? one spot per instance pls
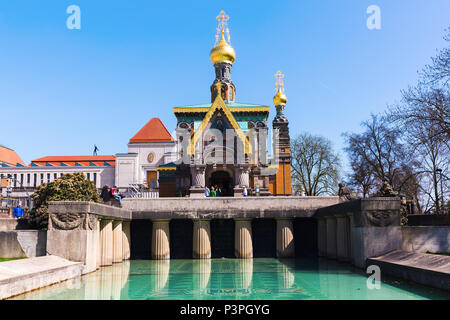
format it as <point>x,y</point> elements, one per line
<point>359,229</point>
<point>91,233</point>
<point>428,220</point>
<point>22,243</point>
<point>426,238</point>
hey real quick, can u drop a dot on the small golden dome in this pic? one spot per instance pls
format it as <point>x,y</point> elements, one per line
<point>222,52</point>
<point>280,98</point>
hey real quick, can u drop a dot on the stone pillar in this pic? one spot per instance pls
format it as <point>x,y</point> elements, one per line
<point>99,244</point>
<point>350,236</point>
<point>322,237</point>
<point>285,238</point>
<point>201,239</point>
<point>117,241</point>
<point>197,189</point>
<point>242,176</point>
<point>342,238</point>
<point>160,239</point>
<point>331,237</point>
<point>243,246</point>
<point>126,240</point>
<point>106,235</point>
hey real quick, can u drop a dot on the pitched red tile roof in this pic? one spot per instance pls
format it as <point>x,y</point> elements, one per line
<point>71,160</point>
<point>9,156</point>
<point>153,131</point>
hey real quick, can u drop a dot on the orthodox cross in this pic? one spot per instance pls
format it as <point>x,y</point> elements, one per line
<point>222,27</point>
<point>279,84</point>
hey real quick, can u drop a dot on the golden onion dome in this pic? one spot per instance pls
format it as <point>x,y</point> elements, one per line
<point>222,52</point>
<point>280,98</point>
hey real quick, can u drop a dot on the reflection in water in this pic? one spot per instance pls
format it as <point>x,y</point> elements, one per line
<point>201,272</point>
<point>263,278</point>
<point>243,273</point>
<point>160,275</point>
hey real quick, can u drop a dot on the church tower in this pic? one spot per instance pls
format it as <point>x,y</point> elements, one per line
<point>281,141</point>
<point>223,56</point>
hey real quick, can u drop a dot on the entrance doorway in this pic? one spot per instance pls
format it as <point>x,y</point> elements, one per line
<point>223,181</point>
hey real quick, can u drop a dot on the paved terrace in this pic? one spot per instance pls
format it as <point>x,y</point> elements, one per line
<point>226,207</point>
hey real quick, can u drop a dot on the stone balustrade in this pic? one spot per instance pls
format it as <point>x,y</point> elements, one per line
<point>356,230</point>
<point>95,234</point>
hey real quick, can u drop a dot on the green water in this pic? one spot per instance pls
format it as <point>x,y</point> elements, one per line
<point>231,279</point>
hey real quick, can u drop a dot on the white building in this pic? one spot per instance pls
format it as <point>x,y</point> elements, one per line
<point>151,147</point>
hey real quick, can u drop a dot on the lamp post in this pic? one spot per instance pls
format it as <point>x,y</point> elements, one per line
<point>8,195</point>
<point>442,190</point>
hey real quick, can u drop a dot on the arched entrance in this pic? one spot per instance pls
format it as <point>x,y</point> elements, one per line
<point>223,181</point>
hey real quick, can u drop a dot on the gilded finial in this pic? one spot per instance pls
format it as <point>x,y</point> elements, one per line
<point>222,51</point>
<point>222,27</point>
<point>280,98</point>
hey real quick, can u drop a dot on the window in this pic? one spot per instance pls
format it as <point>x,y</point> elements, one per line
<point>42,178</point>
<point>21,179</point>
<point>28,179</point>
<point>48,177</point>
<point>88,176</point>
<point>95,179</point>
<point>35,180</point>
<point>55,176</point>
<point>15,180</point>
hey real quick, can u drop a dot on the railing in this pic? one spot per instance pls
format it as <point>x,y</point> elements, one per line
<point>141,191</point>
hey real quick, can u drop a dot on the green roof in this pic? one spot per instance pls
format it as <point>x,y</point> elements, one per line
<point>229,104</point>
<point>168,165</point>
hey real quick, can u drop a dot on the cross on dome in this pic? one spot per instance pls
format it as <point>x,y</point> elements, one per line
<point>223,26</point>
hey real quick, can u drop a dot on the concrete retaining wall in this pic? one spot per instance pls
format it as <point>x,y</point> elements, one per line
<point>426,238</point>
<point>21,276</point>
<point>9,224</point>
<point>427,269</point>
<point>22,243</point>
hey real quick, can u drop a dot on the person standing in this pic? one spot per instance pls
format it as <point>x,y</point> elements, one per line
<point>244,192</point>
<point>212,193</point>
<point>18,211</point>
<point>207,192</point>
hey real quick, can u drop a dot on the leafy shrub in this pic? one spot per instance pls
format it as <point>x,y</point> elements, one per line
<point>70,187</point>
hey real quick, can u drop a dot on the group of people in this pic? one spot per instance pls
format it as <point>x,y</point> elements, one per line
<point>111,193</point>
<point>216,191</point>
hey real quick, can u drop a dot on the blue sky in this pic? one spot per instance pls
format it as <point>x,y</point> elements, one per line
<point>62,91</point>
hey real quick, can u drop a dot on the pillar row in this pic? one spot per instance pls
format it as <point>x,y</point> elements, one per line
<point>285,238</point>
<point>117,241</point>
<point>160,239</point>
<point>106,235</point>
<point>201,239</point>
<point>243,245</point>
<point>126,240</point>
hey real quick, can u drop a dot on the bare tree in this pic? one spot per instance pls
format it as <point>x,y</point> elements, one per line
<point>423,115</point>
<point>377,153</point>
<point>314,165</point>
<point>429,101</point>
<point>438,72</point>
